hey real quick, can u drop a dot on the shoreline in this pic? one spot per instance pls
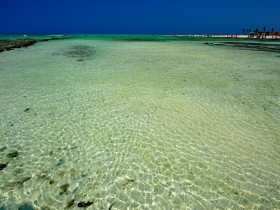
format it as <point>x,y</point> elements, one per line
<point>233,36</point>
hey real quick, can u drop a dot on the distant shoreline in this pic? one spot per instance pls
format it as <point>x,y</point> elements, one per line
<point>7,44</point>
<point>233,36</point>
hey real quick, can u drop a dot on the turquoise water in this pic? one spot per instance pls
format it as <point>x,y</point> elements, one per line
<point>139,123</point>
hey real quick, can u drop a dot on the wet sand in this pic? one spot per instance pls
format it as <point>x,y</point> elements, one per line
<point>257,46</point>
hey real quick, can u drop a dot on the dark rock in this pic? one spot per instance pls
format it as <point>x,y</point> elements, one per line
<point>70,203</point>
<point>64,189</point>
<point>6,45</point>
<point>2,149</point>
<point>25,206</point>
<point>128,181</point>
<point>25,179</point>
<point>84,204</point>
<point>60,162</point>
<point>111,206</point>
<point>27,109</point>
<point>18,43</point>
<point>51,182</point>
<point>13,154</point>
<point>3,165</point>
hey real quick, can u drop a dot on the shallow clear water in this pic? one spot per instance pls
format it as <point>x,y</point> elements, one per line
<point>139,125</point>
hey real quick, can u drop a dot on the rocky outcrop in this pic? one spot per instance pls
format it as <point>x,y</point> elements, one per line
<point>19,43</point>
<point>6,45</point>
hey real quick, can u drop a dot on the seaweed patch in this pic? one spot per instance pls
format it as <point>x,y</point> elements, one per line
<point>79,52</point>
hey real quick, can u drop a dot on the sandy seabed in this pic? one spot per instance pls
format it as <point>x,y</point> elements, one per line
<point>139,125</point>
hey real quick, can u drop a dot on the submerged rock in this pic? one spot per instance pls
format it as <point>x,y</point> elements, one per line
<point>25,206</point>
<point>51,182</point>
<point>3,165</point>
<point>83,204</point>
<point>64,189</point>
<point>60,162</point>
<point>70,203</point>
<point>2,149</point>
<point>111,206</point>
<point>12,154</point>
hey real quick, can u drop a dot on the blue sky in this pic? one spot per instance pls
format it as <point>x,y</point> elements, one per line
<point>138,16</point>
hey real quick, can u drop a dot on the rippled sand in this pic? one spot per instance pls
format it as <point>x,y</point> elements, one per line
<point>139,125</point>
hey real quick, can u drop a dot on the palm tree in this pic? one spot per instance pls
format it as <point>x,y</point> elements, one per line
<point>272,30</point>
<point>264,29</point>
<point>257,30</point>
<point>243,31</point>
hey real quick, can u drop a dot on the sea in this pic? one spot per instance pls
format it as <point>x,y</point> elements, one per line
<point>138,122</point>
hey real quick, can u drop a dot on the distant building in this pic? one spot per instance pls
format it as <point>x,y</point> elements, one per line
<point>268,35</point>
